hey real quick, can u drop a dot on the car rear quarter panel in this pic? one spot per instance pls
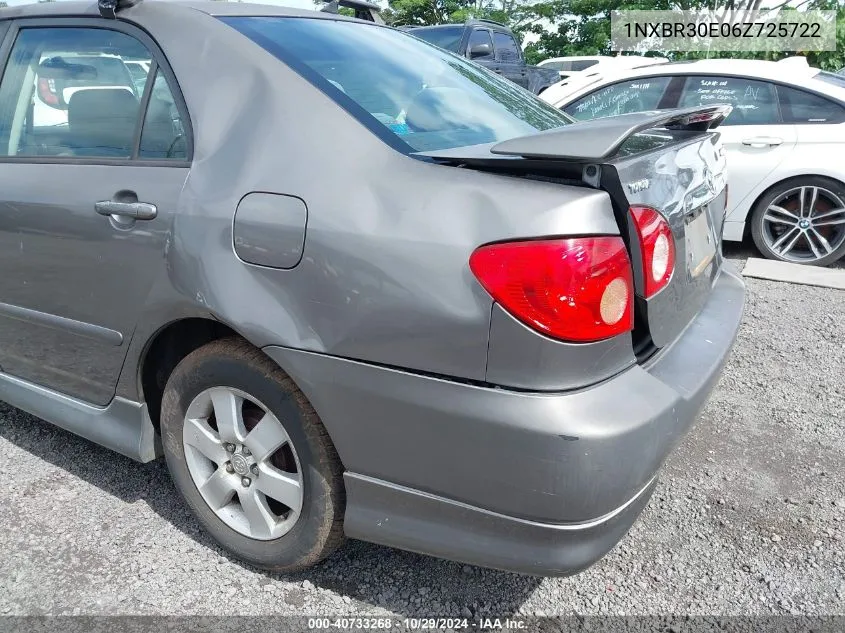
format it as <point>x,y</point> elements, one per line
<point>384,274</point>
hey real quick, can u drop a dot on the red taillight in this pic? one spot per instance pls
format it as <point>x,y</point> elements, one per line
<point>577,289</point>
<point>657,246</point>
<point>47,92</point>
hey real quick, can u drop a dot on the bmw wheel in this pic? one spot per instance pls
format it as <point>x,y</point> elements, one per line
<point>801,221</point>
<point>251,457</point>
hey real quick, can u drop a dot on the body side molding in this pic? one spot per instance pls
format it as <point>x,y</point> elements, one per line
<point>88,330</point>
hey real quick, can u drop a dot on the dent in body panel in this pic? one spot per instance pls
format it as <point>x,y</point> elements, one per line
<point>683,179</point>
<point>384,275</point>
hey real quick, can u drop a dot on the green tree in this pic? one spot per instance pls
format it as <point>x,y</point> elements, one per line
<point>582,27</point>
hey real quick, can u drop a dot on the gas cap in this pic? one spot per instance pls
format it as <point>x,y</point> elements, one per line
<point>270,229</point>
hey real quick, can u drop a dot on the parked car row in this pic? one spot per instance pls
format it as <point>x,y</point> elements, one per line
<point>583,65</point>
<point>783,136</point>
<point>492,45</point>
<point>353,285</point>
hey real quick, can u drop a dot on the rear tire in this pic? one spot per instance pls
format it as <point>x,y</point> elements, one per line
<point>298,521</point>
<point>788,227</point>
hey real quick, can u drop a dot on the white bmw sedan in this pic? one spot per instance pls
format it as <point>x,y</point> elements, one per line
<point>785,140</point>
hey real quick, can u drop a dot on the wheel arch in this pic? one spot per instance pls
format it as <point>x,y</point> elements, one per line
<point>165,348</point>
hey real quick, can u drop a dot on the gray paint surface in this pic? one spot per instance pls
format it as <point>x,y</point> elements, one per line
<point>269,229</point>
<point>576,455</point>
<point>64,261</point>
<point>382,283</point>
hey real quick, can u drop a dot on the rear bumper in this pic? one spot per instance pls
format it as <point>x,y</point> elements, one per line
<point>409,519</point>
<point>541,483</point>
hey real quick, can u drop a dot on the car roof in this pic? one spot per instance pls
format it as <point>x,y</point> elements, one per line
<point>490,24</point>
<point>574,58</point>
<point>784,70</point>
<point>432,27</point>
<point>78,8</point>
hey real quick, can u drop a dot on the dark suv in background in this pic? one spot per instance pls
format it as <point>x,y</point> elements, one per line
<point>489,44</point>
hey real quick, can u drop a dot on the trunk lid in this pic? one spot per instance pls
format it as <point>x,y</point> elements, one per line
<point>671,161</point>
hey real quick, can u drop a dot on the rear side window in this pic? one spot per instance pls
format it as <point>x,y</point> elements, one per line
<point>581,64</point>
<point>414,96</point>
<point>163,136</point>
<point>620,98</point>
<point>754,102</point>
<point>506,48</point>
<point>798,106</point>
<point>573,65</point>
<point>481,36</point>
<point>836,79</point>
<point>69,92</point>
<point>445,37</point>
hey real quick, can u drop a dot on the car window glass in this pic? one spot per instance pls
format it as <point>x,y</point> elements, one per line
<point>480,36</point>
<point>753,102</point>
<point>445,37</point>
<point>68,92</point>
<point>836,79</point>
<point>506,48</point>
<point>798,106</point>
<point>582,64</point>
<point>403,89</point>
<point>163,135</point>
<point>626,96</point>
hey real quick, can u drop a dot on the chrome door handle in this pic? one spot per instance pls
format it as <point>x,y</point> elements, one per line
<point>134,210</point>
<point>762,141</point>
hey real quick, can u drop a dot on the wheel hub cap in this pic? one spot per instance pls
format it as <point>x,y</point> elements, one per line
<point>241,464</point>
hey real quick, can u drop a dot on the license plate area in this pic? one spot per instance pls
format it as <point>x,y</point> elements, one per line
<point>700,243</point>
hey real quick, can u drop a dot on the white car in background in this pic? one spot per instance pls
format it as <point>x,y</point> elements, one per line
<point>569,66</point>
<point>785,140</point>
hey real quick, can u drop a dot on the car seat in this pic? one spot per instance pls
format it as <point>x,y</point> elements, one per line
<point>102,122</point>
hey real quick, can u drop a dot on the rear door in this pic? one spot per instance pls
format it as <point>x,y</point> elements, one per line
<point>509,58</point>
<point>86,200</point>
<point>754,136</point>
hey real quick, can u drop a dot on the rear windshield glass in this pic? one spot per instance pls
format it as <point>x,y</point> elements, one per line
<point>448,37</point>
<point>832,78</point>
<point>423,97</point>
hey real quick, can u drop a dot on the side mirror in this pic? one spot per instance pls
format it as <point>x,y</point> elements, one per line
<point>480,50</point>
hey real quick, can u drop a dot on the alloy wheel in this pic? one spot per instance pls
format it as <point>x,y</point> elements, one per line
<point>804,224</point>
<point>243,463</point>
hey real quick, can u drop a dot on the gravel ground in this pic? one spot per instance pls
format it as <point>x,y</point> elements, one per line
<point>749,516</point>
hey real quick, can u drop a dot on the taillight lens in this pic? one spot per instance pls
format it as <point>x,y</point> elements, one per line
<point>47,91</point>
<point>577,289</point>
<point>657,247</point>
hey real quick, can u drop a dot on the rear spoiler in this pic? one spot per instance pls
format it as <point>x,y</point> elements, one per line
<point>600,139</point>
